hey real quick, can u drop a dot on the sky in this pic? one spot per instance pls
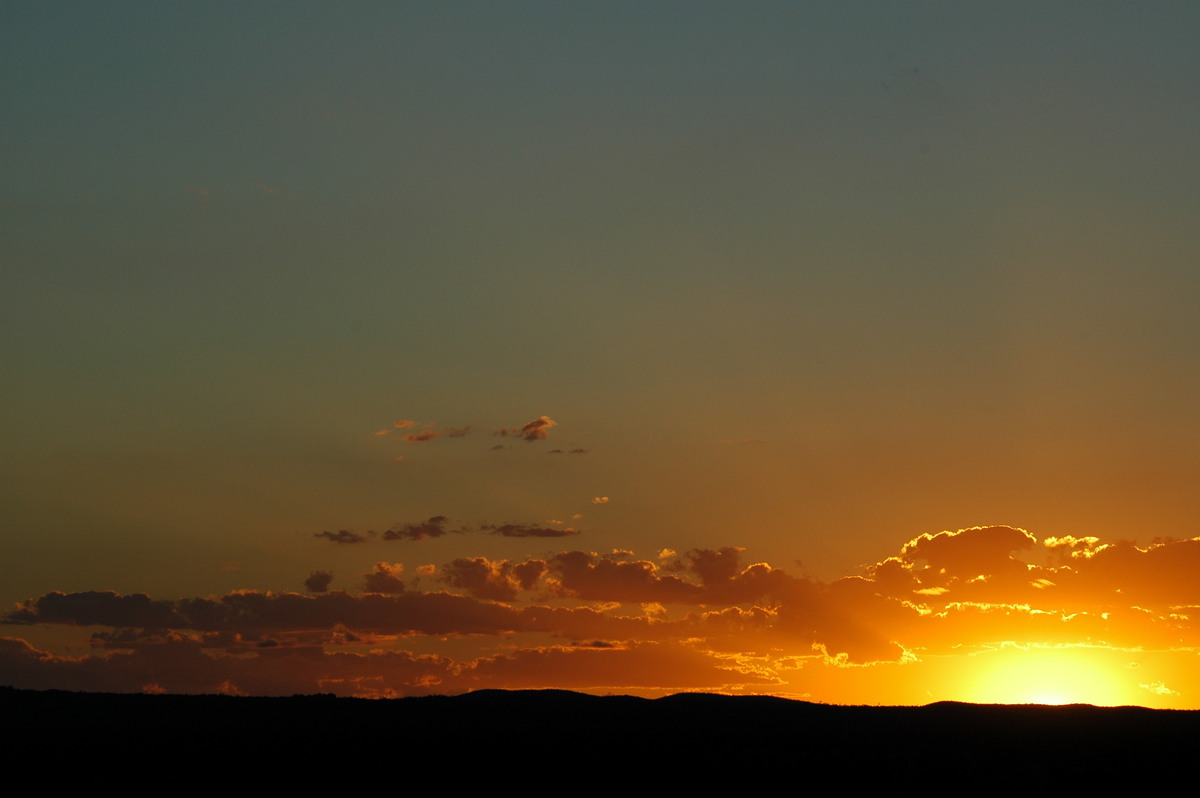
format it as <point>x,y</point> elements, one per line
<point>846,352</point>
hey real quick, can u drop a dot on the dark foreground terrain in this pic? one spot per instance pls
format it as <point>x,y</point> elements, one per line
<point>683,739</point>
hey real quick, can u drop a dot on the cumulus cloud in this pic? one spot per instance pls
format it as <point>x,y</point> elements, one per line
<point>318,581</point>
<point>938,595</point>
<point>384,578</point>
<point>482,578</point>
<point>599,500</point>
<point>536,430</point>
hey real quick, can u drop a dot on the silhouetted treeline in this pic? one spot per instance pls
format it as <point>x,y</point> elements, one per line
<point>688,738</point>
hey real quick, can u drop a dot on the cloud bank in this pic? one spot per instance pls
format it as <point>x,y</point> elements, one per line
<point>586,620</point>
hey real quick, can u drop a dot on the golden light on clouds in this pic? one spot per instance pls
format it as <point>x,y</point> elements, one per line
<point>982,615</point>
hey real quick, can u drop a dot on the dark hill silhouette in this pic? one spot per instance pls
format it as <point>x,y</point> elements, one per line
<point>700,739</point>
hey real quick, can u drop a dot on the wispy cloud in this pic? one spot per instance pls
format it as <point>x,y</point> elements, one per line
<point>344,536</point>
<point>528,531</point>
<point>433,527</point>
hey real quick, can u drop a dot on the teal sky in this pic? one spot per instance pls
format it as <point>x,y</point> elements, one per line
<point>805,278</point>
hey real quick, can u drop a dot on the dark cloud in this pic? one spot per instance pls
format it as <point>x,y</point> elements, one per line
<point>318,581</point>
<point>528,531</point>
<point>343,536</point>
<point>384,578</point>
<point>429,432</point>
<point>98,608</point>
<point>482,578</point>
<point>434,527</point>
<point>438,525</point>
<point>581,575</point>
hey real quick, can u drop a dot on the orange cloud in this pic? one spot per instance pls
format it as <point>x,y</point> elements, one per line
<point>943,595</point>
<point>536,430</point>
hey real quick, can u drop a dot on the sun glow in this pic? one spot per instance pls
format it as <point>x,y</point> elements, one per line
<point>1014,674</point>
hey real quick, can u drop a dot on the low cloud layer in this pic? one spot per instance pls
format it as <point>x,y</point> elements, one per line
<point>705,619</point>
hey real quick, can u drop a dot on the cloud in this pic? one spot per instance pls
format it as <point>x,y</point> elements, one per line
<point>429,431</point>
<point>938,596</point>
<point>97,608</point>
<point>528,531</point>
<point>536,430</point>
<point>483,578</point>
<point>434,527</point>
<point>581,575</point>
<point>437,526</point>
<point>343,536</point>
<point>318,581</point>
<point>600,500</point>
<point>384,578</point>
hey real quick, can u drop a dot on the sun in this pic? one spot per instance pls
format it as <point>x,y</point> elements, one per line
<point>1044,674</point>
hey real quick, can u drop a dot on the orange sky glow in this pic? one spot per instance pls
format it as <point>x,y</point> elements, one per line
<point>986,614</point>
<point>846,352</point>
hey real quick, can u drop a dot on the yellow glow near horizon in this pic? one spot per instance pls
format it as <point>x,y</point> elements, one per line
<point>1049,675</point>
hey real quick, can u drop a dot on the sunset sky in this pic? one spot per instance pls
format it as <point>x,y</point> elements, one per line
<point>837,351</point>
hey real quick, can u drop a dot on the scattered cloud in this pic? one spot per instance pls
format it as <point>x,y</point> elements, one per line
<point>600,500</point>
<point>438,526</point>
<point>536,430</point>
<point>725,621</point>
<point>528,531</point>
<point>344,536</point>
<point>430,432</point>
<point>434,527</point>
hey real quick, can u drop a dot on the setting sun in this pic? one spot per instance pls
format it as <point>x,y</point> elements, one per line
<point>1069,674</point>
